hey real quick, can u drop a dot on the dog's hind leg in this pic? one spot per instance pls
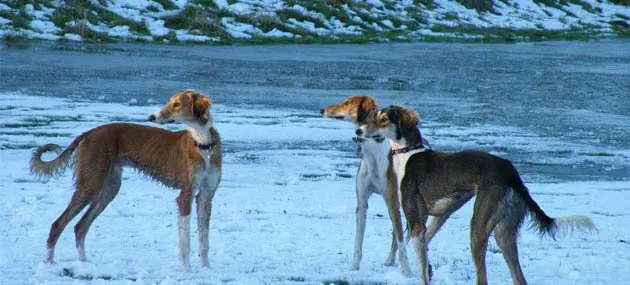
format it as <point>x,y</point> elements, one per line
<point>506,231</point>
<point>77,203</point>
<point>506,240</point>
<point>107,193</point>
<point>481,225</point>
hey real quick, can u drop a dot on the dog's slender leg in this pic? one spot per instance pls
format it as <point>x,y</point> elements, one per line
<point>107,193</point>
<point>184,202</point>
<point>394,247</point>
<point>481,226</point>
<point>506,240</point>
<point>363,193</point>
<point>389,261</point>
<point>77,203</point>
<point>204,210</point>
<point>398,239</point>
<point>506,231</point>
<point>419,244</point>
<point>388,202</point>
<point>415,212</point>
<point>88,183</point>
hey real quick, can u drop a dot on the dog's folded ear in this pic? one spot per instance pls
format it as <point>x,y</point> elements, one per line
<point>366,106</point>
<point>201,104</point>
<point>406,120</point>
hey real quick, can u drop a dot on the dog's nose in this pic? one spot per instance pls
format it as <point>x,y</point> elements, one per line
<point>358,132</point>
<point>322,111</point>
<point>152,118</point>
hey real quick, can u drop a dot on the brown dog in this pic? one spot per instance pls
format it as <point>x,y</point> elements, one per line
<point>188,160</point>
<point>437,184</point>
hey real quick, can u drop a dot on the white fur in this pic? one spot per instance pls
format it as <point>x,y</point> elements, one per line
<point>50,253</point>
<point>184,241</point>
<point>400,163</point>
<point>81,250</point>
<point>564,226</point>
<point>201,133</point>
<point>372,178</point>
<point>419,245</point>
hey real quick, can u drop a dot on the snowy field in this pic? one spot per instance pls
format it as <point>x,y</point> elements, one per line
<point>283,214</point>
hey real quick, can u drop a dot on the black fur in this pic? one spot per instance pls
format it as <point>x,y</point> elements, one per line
<point>404,127</point>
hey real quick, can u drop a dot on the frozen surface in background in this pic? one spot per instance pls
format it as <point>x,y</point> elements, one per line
<point>284,212</point>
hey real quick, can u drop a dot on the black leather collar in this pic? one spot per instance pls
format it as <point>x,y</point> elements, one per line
<point>409,148</point>
<point>204,146</point>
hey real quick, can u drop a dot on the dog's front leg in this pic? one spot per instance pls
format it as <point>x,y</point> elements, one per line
<point>414,209</point>
<point>418,241</point>
<point>363,194</point>
<point>184,202</point>
<point>204,207</point>
<point>398,242</point>
<point>204,211</point>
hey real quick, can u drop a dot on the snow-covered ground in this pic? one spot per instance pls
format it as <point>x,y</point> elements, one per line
<point>245,19</point>
<point>282,215</point>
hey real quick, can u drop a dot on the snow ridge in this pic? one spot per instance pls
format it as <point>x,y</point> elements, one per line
<point>304,21</point>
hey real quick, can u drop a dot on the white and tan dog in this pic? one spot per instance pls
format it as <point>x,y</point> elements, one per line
<point>437,184</point>
<point>188,160</point>
<point>375,175</point>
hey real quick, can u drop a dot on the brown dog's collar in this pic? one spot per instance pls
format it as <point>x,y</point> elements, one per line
<point>410,148</point>
<point>204,146</point>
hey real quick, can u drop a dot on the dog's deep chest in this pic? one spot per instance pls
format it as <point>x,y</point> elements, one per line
<point>399,162</point>
<point>375,160</point>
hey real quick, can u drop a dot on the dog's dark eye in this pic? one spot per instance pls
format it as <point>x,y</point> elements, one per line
<point>176,104</point>
<point>346,103</point>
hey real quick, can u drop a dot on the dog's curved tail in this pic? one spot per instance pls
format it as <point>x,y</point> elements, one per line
<point>47,169</point>
<point>558,227</point>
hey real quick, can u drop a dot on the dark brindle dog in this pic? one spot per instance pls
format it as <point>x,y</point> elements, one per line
<point>437,184</point>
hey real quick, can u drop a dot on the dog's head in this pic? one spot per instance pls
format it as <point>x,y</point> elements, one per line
<point>393,122</point>
<point>355,109</point>
<point>187,107</point>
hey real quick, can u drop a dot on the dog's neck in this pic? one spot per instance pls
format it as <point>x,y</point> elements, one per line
<point>201,132</point>
<point>410,137</point>
<point>412,140</point>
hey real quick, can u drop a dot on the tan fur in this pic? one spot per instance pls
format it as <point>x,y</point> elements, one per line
<point>168,157</point>
<point>354,109</point>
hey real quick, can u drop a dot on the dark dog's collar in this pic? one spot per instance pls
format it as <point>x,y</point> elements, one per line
<point>378,139</point>
<point>410,148</point>
<point>204,146</point>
